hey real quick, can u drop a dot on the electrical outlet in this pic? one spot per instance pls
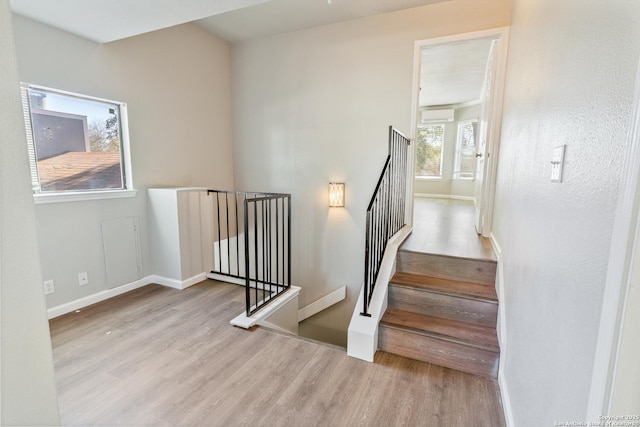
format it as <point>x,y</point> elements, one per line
<point>83,279</point>
<point>48,287</point>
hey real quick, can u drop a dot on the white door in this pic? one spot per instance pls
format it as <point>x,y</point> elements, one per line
<point>484,135</point>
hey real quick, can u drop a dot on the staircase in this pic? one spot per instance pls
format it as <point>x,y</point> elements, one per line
<point>443,310</point>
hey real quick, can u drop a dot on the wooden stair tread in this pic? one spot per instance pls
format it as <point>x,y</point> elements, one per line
<point>434,284</point>
<point>451,330</point>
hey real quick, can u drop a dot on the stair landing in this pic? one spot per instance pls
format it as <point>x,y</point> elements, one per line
<point>446,227</point>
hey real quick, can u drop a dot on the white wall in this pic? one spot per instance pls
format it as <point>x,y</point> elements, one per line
<point>313,106</point>
<point>447,186</point>
<point>570,79</point>
<point>28,394</point>
<point>177,85</point>
<point>625,397</point>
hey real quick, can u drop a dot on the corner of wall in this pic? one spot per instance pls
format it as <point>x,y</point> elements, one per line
<point>502,333</point>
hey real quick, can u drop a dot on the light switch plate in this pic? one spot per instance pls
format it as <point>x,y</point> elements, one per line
<point>557,163</point>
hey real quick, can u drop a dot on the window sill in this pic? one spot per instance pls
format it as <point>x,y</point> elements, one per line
<point>428,178</point>
<point>41,199</point>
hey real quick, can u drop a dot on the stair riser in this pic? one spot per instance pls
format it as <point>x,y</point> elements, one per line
<point>451,307</point>
<point>465,270</point>
<point>444,353</point>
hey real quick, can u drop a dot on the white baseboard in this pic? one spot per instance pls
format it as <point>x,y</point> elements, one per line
<point>226,279</point>
<point>68,307</point>
<point>178,284</point>
<point>322,303</point>
<point>504,393</point>
<point>443,196</point>
<point>97,297</point>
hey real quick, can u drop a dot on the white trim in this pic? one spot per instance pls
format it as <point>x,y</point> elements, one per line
<point>44,198</point>
<point>83,302</point>
<point>178,284</point>
<point>502,323</point>
<point>428,178</point>
<point>443,196</point>
<point>68,307</point>
<point>625,229</point>
<point>502,34</point>
<point>362,340</point>
<point>493,149</point>
<point>415,111</point>
<point>474,35</point>
<point>502,334</point>
<point>245,322</point>
<point>322,303</point>
<point>125,148</point>
<point>227,279</point>
<point>504,394</point>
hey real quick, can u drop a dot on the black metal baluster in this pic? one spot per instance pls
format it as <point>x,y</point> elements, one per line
<point>246,259</point>
<point>386,212</point>
<point>288,241</point>
<point>277,244</point>
<point>219,237</point>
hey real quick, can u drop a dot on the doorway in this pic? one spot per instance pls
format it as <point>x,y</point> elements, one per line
<point>456,116</point>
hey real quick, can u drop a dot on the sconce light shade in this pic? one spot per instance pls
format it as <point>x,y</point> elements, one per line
<point>336,194</point>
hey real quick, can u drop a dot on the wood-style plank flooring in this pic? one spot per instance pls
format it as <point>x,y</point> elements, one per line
<point>158,356</point>
<point>446,227</point>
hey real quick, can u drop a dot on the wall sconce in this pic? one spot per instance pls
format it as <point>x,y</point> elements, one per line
<point>336,194</point>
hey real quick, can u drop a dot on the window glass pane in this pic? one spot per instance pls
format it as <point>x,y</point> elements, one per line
<point>429,150</point>
<point>466,150</point>
<point>76,141</point>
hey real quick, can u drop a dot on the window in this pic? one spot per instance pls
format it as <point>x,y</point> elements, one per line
<point>465,165</point>
<point>429,150</point>
<point>76,143</point>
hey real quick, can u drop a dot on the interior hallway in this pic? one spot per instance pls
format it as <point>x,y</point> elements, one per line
<point>446,227</point>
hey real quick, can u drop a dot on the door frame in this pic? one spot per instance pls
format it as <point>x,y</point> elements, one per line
<point>493,144</point>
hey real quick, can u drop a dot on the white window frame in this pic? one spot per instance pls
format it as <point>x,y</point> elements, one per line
<point>433,177</point>
<point>456,166</point>
<point>70,196</point>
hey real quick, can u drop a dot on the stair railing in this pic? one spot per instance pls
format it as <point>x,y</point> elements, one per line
<point>252,243</point>
<point>386,211</point>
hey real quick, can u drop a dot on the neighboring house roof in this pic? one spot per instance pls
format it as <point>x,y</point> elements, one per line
<point>80,171</point>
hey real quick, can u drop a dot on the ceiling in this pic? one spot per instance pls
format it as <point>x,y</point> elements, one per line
<point>283,16</point>
<point>454,73</point>
<point>234,20</point>
<point>450,74</point>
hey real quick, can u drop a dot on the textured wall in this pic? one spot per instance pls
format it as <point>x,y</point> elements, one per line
<point>314,106</point>
<point>28,394</point>
<point>570,79</point>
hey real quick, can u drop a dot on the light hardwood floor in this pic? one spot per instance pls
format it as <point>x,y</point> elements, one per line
<point>158,356</point>
<point>446,227</point>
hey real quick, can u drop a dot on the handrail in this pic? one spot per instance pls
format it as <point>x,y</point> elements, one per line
<point>252,241</point>
<point>386,211</point>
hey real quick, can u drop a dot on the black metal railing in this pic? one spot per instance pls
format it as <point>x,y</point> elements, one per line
<point>252,243</point>
<point>386,211</point>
